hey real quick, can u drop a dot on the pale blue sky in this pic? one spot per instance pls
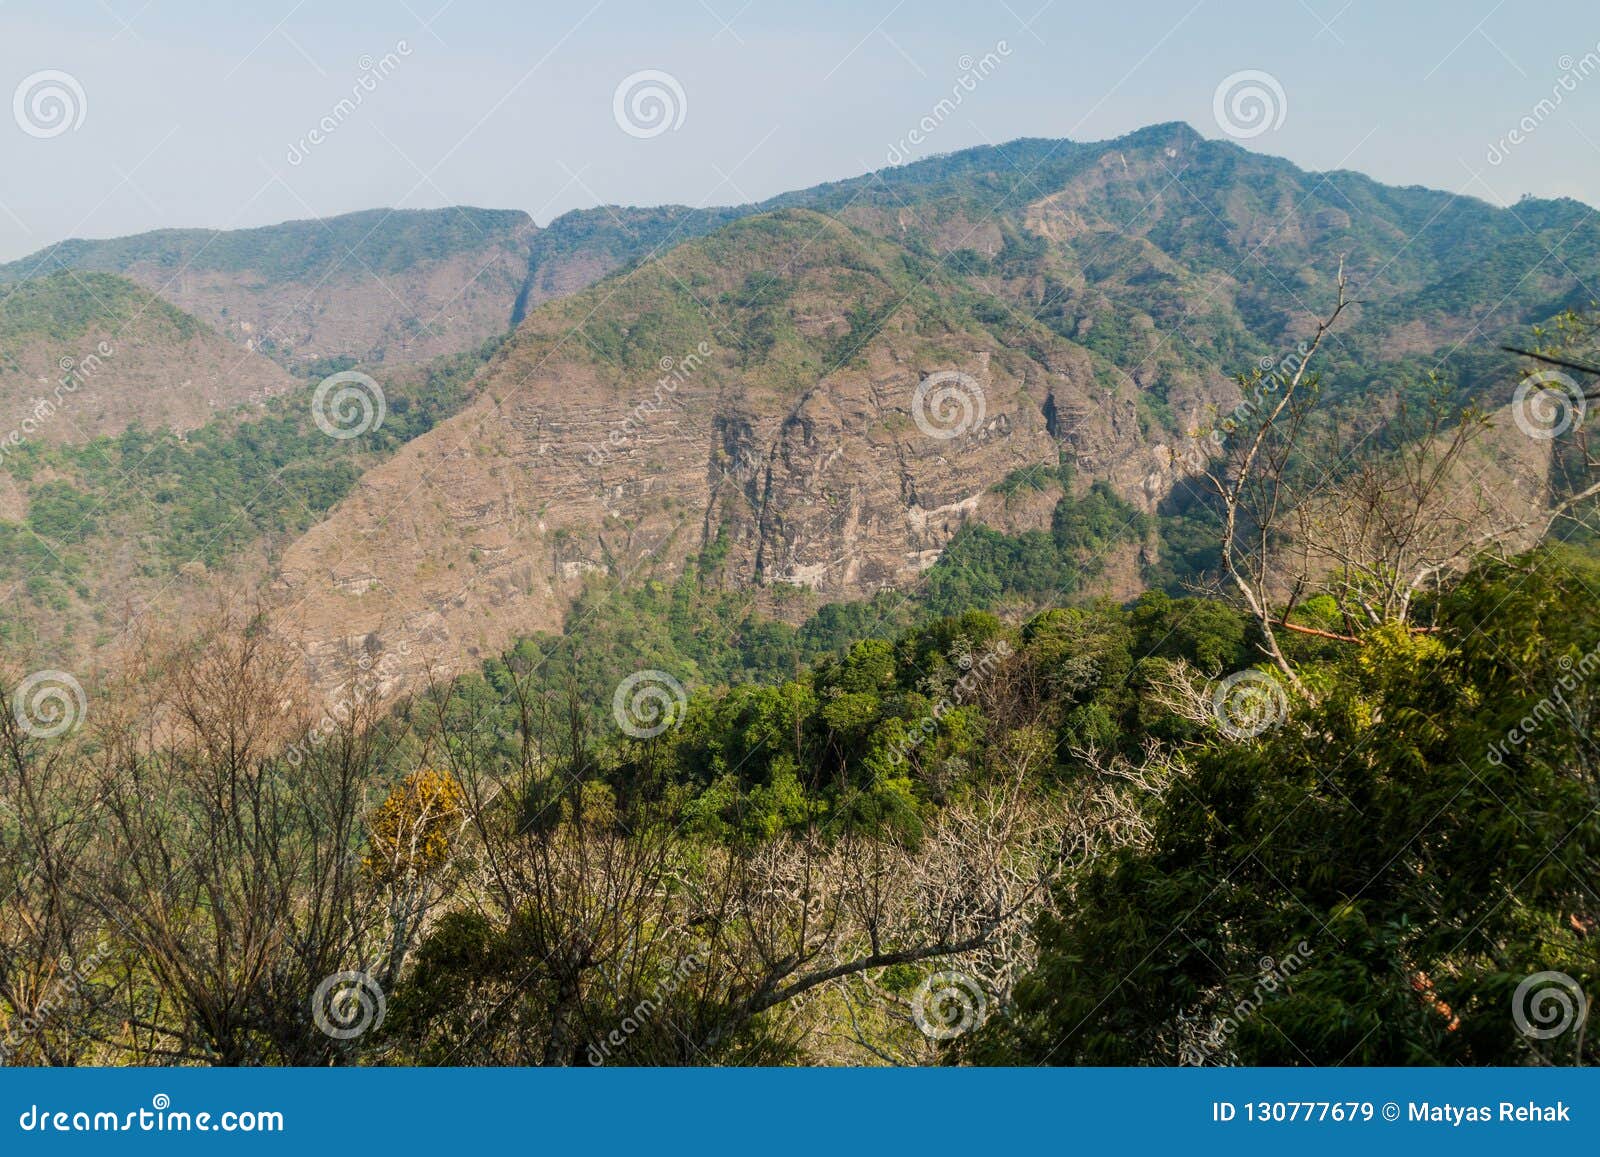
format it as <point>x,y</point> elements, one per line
<point>191,109</point>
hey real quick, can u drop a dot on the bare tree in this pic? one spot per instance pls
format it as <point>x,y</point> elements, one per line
<point>237,886</point>
<point>55,955</point>
<point>1389,521</point>
<point>1373,516</point>
<point>1252,479</point>
<point>630,941</point>
<point>1570,347</point>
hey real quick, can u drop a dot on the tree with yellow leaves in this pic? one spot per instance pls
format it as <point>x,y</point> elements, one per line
<point>411,838</point>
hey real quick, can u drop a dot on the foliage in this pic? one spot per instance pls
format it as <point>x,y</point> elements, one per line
<point>208,495</point>
<point>382,241</point>
<point>410,833</point>
<point>983,567</point>
<point>1424,864</point>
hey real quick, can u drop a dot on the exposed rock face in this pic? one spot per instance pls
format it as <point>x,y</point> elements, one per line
<point>579,248</point>
<point>815,461</point>
<point>441,307</point>
<point>749,377</point>
<point>813,395</point>
<point>757,386</point>
<point>383,285</point>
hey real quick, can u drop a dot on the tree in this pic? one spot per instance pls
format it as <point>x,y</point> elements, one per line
<point>1414,862</point>
<point>57,955</point>
<point>236,883</point>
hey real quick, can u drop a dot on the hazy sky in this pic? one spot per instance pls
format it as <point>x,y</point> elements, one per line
<point>183,112</point>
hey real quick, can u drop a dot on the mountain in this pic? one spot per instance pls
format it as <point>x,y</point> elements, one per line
<point>141,450</point>
<point>87,354</point>
<point>378,286</point>
<point>384,285</point>
<point>1100,240</point>
<point>754,391</point>
<point>581,247</point>
<point>779,426</point>
<point>739,383</point>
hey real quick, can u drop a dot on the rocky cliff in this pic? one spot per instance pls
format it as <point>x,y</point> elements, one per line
<point>830,409</point>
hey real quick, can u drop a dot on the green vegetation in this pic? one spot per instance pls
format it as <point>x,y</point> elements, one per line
<point>207,495</point>
<point>706,635</point>
<point>1417,862</point>
<point>382,241</point>
<point>982,567</point>
<point>1300,844</point>
<point>1342,831</point>
<point>64,306</point>
<point>1360,877</point>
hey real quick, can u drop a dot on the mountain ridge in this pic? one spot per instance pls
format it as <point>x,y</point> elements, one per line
<point>1101,296</point>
